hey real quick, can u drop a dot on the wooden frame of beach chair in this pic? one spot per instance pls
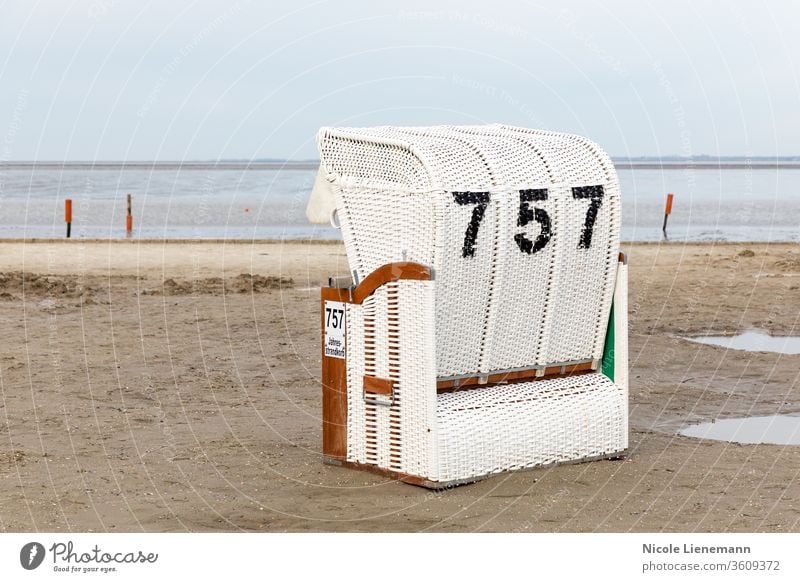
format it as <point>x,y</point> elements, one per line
<point>484,328</point>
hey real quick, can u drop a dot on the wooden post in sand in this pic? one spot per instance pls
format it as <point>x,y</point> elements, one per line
<point>129,219</point>
<point>667,212</point>
<point>68,215</point>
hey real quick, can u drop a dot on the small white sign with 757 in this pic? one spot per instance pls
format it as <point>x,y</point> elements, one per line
<point>335,329</point>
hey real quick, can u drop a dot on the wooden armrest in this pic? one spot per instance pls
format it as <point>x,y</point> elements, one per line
<point>388,273</point>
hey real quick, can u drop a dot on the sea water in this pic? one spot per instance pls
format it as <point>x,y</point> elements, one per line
<point>257,201</point>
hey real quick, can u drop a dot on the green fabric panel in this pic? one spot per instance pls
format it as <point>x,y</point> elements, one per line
<point>608,348</point>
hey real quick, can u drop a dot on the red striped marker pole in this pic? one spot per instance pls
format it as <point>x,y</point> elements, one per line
<point>68,215</point>
<point>667,212</point>
<point>129,219</point>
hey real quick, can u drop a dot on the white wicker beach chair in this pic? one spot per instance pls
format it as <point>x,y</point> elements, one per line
<point>484,328</point>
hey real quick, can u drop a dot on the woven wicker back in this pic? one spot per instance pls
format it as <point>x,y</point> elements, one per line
<point>521,227</point>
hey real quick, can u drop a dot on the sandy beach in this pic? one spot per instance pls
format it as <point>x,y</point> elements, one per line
<point>175,387</point>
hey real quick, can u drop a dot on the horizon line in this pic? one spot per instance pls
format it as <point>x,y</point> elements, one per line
<point>629,158</point>
<point>700,162</point>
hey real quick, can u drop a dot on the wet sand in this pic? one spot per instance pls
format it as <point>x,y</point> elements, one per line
<point>175,387</point>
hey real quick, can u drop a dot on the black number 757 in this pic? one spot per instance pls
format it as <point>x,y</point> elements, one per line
<point>528,214</point>
<point>337,315</point>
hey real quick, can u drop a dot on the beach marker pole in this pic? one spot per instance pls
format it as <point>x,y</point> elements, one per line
<point>129,219</point>
<point>667,212</point>
<point>68,215</point>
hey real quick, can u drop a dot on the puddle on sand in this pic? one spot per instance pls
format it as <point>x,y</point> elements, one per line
<point>752,341</point>
<point>776,430</point>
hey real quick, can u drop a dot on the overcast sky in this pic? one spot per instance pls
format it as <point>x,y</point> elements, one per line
<point>124,80</point>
